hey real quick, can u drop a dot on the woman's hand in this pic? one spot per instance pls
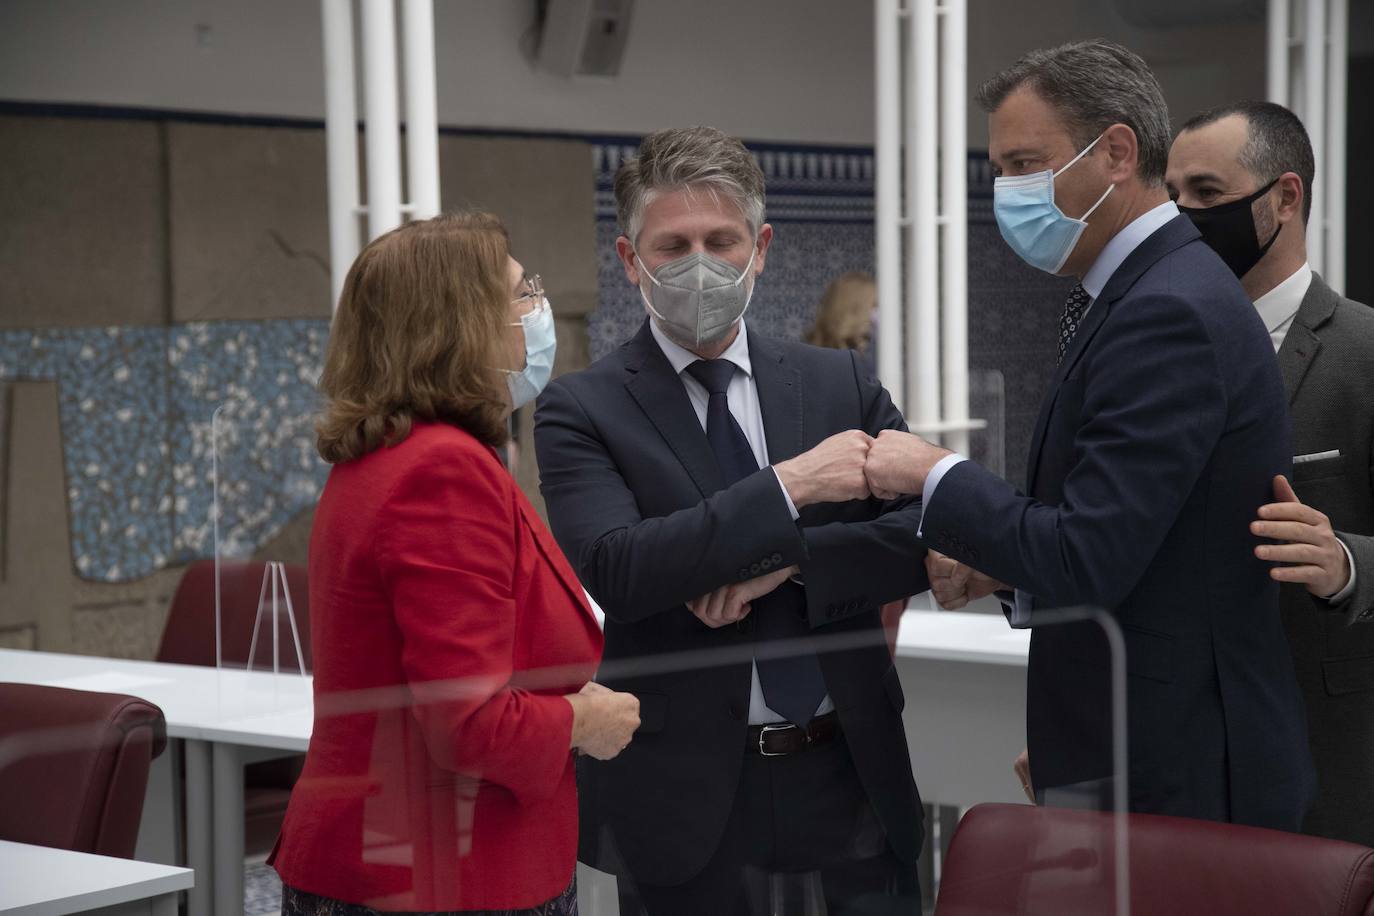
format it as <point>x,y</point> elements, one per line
<point>604,720</point>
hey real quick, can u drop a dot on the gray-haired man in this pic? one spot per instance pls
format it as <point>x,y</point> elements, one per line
<point>1244,174</point>
<point>707,484</point>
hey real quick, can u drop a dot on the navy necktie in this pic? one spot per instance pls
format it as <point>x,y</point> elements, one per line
<point>1074,307</point>
<point>793,685</point>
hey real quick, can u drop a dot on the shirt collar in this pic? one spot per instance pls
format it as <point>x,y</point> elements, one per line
<point>1282,302</point>
<point>680,357</point>
<point>1120,246</point>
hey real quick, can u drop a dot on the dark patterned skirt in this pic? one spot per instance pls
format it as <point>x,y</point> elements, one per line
<point>300,903</point>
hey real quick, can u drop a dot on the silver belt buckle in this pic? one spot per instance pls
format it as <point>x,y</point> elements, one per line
<point>772,728</point>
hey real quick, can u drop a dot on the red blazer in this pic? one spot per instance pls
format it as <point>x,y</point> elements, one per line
<point>446,626</point>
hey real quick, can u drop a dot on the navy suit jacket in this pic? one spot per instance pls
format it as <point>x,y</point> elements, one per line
<point>637,502</point>
<point>1156,444</point>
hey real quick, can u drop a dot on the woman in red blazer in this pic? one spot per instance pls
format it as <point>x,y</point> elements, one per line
<point>453,644</point>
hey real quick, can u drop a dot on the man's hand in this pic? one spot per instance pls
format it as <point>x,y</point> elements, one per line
<point>832,472</point>
<point>1320,562</point>
<point>731,603</point>
<point>955,584</point>
<point>898,463</point>
<point>1021,767</point>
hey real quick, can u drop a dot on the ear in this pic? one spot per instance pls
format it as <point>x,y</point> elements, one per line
<point>1291,196</point>
<point>765,239</point>
<point>1123,153</point>
<point>626,252</point>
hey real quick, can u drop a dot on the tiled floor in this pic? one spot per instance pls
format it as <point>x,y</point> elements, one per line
<point>261,890</point>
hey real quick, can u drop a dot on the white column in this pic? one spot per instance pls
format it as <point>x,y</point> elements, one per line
<point>341,140</point>
<point>1331,170</point>
<point>382,122</point>
<point>922,264</point>
<point>887,189</point>
<point>1276,73</point>
<point>1313,114</point>
<point>422,131</point>
<point>954,222</point>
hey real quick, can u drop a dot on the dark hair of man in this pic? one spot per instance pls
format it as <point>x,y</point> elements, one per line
<point>1093,85</point>
<point>1277,143</point>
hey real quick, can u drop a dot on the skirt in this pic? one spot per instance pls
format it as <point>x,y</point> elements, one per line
<point>301,903</point>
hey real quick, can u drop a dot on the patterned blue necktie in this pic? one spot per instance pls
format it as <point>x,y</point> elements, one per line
<point>1077,304</point>
<point>793,685</point>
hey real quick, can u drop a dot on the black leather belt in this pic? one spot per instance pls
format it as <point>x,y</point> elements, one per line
<point>785,738</point>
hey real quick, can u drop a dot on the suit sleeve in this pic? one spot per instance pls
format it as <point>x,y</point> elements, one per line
<point>855,567</point>
<point>446,550</point>
<point>1358,606</point>
<point>1155,404</point>
<point>637,567</point>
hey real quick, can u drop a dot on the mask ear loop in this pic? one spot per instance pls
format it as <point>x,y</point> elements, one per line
<point>1084,217</point>
<point>1085,152</point>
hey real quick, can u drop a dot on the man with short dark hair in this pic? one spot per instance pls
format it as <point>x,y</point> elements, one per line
<point>1244,174</point>
<point>707,483</point>
<point>1157,441</point>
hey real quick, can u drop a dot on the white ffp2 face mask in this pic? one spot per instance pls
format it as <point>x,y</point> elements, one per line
<point>697,298</point>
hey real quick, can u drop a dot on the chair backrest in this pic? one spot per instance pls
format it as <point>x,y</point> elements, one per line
<point>1024,859</point>
<point>189,635</point>
<point>74,767</point>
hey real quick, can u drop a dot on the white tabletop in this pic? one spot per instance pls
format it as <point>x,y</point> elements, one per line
<point>38,881</point>
<point>257,708</point>
<point>958,636</point>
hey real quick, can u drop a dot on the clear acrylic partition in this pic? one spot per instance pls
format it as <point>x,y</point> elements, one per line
<point>987,398</point>
<point>264,474</point>
<point>1070,854</point>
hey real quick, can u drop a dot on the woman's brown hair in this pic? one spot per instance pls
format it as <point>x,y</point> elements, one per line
<point>420,324</point>
<point>845,318</point>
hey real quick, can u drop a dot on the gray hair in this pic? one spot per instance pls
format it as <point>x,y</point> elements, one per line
<point>1276,142</point>
<point>688,158</point>
<point>1093,85</point>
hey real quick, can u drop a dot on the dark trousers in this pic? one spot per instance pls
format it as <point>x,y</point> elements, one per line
<point>801,831</point>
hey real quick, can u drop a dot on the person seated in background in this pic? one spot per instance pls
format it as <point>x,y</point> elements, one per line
<point>453,645</point>
<point>707,482</point>
<point>1244,174</point>
<point>846,318</point>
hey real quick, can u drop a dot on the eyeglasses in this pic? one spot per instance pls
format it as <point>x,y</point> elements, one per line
<point>531,298</point>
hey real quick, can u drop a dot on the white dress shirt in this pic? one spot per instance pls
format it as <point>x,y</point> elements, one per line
<point>743,398</point>
<point>1112,256</point>
<point>1277,309</point>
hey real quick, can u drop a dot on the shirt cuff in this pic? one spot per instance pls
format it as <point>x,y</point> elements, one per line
<point>791,507</point>
<point>1021,607</point>
<point>1349,585</point>
<point>933,479</point>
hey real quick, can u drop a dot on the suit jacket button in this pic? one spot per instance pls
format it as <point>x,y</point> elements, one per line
<point>743,574</point>
<point>765,564</point>
<point>776,558</point>
<point>754,569</point>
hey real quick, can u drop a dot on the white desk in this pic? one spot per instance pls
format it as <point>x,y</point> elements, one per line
<point>225,718</point>
<point>38,881</point>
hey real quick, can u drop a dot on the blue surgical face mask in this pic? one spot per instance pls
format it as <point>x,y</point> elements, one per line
<point>540,345</point>
<point>1032,223</point>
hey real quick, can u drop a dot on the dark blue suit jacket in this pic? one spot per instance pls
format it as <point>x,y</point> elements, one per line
<point>1156,444</point>
<point>637,502</point>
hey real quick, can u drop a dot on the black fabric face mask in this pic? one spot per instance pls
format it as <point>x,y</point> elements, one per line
<point>1230,230</point>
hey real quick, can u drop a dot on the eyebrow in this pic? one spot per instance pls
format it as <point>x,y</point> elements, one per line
<point>1023,153</point>
<point>1198,177</point>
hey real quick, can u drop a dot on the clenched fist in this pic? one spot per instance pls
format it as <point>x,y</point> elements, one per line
<point>731,603</point>
<point>954,584</point>
<point>604,720</point>
<point>832,472</point>
<point>898,463</point>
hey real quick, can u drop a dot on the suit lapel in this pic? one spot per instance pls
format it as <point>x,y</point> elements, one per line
<point>1173,235</point>
<point>1301,344</point>
<point>780,399</point>
<point>657,389</point>
<point>1086,329</point>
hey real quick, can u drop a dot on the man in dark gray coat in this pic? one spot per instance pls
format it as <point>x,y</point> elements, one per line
<point>1244,174</point>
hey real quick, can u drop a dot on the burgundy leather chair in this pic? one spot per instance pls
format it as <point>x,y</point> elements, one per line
<point>74,767</point>
<point>1007,859</point>
<point>189,639</point>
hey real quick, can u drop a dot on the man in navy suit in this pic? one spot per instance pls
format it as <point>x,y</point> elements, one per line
<point>1164,424</point>
<point>707,483</point>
